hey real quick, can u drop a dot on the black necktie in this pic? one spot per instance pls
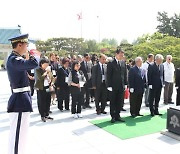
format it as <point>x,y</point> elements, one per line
<point>86,67</point>
<point>102,70</point>
<point>119,64</point>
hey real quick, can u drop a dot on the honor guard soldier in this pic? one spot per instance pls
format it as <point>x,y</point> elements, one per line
<point>20,103</point>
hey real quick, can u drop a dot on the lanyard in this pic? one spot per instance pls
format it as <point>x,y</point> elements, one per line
<point>65,72</point>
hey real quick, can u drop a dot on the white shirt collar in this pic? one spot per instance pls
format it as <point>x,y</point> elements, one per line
<point>100,64</point>
<point>116,60</point>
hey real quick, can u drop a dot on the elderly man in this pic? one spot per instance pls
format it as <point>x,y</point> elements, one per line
<point>155,82</point>
<point>168,79</point>
<point>137,82</point>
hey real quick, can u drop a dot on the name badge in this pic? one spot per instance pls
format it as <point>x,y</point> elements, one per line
<point>32,71</point>
<point>46,82</point>
<point>53,72</point>
<point>66,79</point>
<point>81,83</point>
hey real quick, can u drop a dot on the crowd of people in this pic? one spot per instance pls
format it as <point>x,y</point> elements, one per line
<point>78,80</point>
<point>84,79</point>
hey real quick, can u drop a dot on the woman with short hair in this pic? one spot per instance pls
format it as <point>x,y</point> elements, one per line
<point>44,84</point>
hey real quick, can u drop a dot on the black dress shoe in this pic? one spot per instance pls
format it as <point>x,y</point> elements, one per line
<point>98,112</point>
<point>113,120</point>
<point>43,119</point>
<point>123,109</point>
<point>152,114</point>
<point>120,119</point>
<point>170,102</point>
<point>84,107</point>
<point>158,114</point>
<point>133,116</point>
<point>103,112</point>
<point>50,118</point>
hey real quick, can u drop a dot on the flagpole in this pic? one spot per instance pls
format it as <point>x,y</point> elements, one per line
<point>80,18</point>
<point>81,25</point>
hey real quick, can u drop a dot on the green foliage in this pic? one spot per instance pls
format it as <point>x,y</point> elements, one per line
<point>158,44</point>
<point>110,42</point>
<point>71,45</point>
<point>169,25</point>
<point>92,46</point>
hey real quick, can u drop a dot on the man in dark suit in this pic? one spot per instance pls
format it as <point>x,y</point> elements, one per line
<point>137,80</point>
<point>86,67</point>
<point>155,81</point>
<point>99,73</point>
<point>117,79</point>
<point>177,85</point>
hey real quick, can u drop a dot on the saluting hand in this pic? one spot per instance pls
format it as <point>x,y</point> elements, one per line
<point>27,55</point>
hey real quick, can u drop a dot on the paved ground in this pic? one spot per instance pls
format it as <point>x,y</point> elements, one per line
<point>66,135</point>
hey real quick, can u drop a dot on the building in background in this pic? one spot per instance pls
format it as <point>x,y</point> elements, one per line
<point>5,45</point>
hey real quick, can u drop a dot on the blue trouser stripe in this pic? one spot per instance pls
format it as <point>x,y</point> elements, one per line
<point>17,133</point>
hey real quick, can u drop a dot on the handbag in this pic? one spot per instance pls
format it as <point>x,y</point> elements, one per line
<point>126,94</point>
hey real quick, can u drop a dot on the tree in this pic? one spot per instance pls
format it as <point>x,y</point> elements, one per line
<point>176,25</point>
<point>71,45</point>
<point>124,41</point>
<point>158,43</point>
<point>169,25</point>
<point>92,46</point>
<point>110,42</point>
<point>43,46</point>
<point>113,42</point>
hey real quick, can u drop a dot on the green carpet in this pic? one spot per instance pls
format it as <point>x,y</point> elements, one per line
<point>133,127</point>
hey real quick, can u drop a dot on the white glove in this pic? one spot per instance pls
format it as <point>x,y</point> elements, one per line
<point>150,86</point>
<point>109,88</point>
<point>125,87</point>
<point>131,90</point>
<point>177,87</point>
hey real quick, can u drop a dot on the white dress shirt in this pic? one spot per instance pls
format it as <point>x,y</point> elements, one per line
<point>169,72</point>
<point>103,75</point>
<point>145,68</point>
